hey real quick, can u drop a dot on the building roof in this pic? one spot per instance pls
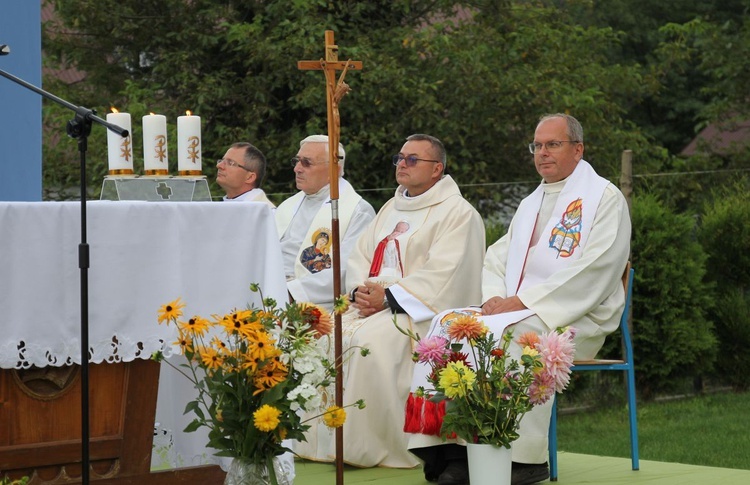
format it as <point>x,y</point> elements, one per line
<point>721,138</point>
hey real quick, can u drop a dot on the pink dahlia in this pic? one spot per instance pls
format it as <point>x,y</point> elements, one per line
<point>557,350</point>
<point>432,350</point>
<point>542,388</point>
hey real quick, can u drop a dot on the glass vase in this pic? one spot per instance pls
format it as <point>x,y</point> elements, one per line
<point>245,472</point>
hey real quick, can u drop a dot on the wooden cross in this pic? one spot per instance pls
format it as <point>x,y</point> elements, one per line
<point>335,91</point>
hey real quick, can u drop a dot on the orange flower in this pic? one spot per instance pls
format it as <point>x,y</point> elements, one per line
<point>317,317</point>
<point>466,327</point>
<point>528,339</point>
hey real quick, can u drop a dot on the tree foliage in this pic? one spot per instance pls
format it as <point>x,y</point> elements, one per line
<point>672,337</point>
<point>725,235</point>
<point>477,76</point>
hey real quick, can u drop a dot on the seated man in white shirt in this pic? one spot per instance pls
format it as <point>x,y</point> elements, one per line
<point>240,173</point>
<point>304,223</point>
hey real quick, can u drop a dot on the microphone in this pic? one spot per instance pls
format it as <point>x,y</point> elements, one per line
<point>4,49</point>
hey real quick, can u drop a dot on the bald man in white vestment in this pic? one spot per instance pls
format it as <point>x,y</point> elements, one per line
<point>561,263</point>
<point>422,254</point>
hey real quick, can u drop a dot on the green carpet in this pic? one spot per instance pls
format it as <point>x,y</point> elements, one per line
<point>573,469</point>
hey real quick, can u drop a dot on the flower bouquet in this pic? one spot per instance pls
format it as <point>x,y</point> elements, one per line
<point>480,391</point>
<point>254,369</point>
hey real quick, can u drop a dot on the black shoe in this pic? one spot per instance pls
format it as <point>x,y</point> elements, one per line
<point>456,473</point>
<point>526,474</point>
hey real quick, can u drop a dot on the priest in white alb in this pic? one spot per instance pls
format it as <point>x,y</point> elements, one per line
<point>240,172</point>
<point>560,264</point>
<point>304,223</point>
<point>421,255</point>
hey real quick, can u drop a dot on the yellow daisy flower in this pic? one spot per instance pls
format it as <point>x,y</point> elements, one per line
<point>260,345</point>
<point>171,311</point>
<point>266,418</point>
<point>198,326</point>
<point>185,342</point>
<point>269,375</point>
<point>210,358</point>
<point>334,417</point>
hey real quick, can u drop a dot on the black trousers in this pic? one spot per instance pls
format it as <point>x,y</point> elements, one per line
<point>436,458</point>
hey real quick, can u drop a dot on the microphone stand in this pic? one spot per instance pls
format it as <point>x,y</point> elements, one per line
<point>80,128</point>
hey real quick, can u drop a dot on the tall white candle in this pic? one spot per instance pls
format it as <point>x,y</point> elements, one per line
<point>189,144</point>
<point>155,158</point>
<point>120,148</point>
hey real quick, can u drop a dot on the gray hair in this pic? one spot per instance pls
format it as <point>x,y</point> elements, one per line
<point>324,139</point>
<point>575,130</point>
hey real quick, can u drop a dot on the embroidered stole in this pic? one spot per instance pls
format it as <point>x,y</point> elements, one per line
<point>564,235</point>
<point>348,200</point>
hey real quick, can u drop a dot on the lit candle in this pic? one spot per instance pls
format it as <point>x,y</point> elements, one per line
<point>120,148</point>
<point>155,158</point>
<point>189,144</point>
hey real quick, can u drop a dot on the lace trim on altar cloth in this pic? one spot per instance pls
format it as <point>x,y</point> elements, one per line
<point>24,354</point>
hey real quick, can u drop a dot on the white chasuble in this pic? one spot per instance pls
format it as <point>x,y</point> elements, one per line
<point>441,255</point>
<point>563,257</point>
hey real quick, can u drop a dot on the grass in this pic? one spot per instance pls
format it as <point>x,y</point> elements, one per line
<point>711,430</point>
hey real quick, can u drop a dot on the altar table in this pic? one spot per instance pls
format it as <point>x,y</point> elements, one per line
<point>142,255</point>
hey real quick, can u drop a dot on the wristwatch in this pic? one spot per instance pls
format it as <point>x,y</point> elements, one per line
<point>386,304</point>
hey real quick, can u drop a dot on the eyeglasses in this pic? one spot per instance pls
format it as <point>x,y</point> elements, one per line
<point>306,162</point>
<point>232,163</point>
<point>551,146</point>
<point>411,160</point>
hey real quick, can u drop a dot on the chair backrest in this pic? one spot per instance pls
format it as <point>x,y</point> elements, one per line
<point>627,281</point>
<point>627,342</point>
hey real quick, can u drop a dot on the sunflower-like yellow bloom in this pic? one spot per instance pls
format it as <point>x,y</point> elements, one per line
<point>240,322</point>
<point>211,358</point>
<point>219,345</point>
<point>466,327</point>
<point>185,342</point>
<point>260,346</point>
<point>171,311</point>
<point>334,417</point>
<point>456,379</point>
<point>266,418</point>
<point>269,375</point>
<point>197,325</point>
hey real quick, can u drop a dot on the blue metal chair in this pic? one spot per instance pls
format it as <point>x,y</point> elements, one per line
<point>625,365</point>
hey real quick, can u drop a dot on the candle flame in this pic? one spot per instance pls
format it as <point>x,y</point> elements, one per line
<point>189,113</point>
<point>114,110</point>
<point>151,113</point>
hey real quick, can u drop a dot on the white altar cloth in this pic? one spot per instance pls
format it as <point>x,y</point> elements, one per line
<point>142,255</point>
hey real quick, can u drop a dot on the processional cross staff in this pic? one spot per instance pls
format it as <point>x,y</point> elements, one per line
<point>335,91</point>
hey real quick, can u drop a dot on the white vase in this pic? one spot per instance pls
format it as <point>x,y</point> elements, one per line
<point>489,464</point>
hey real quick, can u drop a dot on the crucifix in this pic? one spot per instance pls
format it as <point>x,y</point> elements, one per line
<point>335,91</point>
